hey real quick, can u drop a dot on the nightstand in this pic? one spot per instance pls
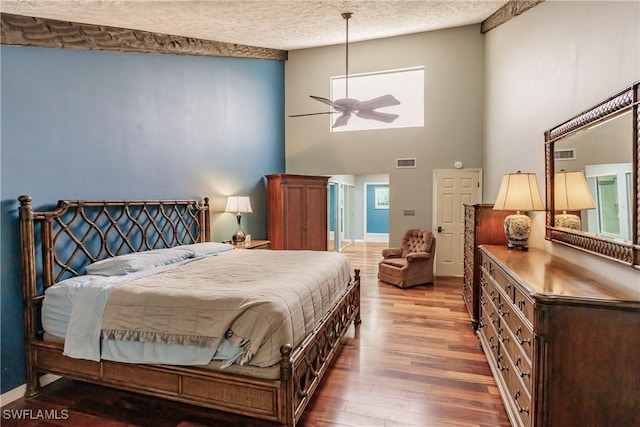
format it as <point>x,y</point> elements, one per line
<point>255,244</point>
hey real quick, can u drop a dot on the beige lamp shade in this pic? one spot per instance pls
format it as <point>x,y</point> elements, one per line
<point>238,204</point>
<point>570,192</point>
<point>519,192</point>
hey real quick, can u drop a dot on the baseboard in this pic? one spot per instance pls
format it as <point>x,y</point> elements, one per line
<point>18,392</point>
<point>377,237</point>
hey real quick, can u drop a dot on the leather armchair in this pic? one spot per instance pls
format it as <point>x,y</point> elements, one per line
<point>412,263</point>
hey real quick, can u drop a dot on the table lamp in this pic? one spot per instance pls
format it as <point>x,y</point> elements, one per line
<point>570,193</point>
<point>518,192</point>
<point>238,205</point>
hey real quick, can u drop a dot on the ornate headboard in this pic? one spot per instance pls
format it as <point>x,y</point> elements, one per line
<point>62,242</point>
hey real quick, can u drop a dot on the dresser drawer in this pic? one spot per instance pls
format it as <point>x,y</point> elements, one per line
<point>521,335</point>
<point>496,275</point>
<point>519,393</point>
<point>524,303</point>
<point>488,331</point>
<point>470,214</point>
<point>519,354</point>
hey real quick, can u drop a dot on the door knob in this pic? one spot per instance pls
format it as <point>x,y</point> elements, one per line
<point>439,229</point>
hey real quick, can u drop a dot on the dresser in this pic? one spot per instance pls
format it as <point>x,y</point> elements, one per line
<point>482,226</point>
<point>297,211</point>
<point>563,343</point>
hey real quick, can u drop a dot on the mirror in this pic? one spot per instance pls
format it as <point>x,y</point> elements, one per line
<point>592,165</point>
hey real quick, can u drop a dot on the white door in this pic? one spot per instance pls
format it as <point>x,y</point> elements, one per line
<point>452,190</point>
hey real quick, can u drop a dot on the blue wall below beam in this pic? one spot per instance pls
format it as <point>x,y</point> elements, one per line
<point>377,219</point>
<point>103,125</point>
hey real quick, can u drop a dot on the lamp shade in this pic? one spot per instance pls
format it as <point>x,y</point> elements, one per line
<point>570,192</point>
<point>238,204</point>
<point>519,192</point>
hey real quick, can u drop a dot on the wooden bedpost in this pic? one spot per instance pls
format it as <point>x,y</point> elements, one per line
<point>205,221</point>
<point>29,290</point>
<point>286,379</point>
<point>356,280</point>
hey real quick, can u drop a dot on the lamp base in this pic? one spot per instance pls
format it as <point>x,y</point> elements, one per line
<point>569,221</point>
<point>239,237</point>
<point>517,228</point>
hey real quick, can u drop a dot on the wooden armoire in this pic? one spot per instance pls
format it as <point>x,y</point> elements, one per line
<point>297,211</point>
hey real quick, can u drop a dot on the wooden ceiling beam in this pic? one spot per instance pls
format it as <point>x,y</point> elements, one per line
<point>510,10</point>
<point>18,30</point>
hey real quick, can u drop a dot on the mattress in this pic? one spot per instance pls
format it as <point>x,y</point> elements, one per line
<point>259,270</point>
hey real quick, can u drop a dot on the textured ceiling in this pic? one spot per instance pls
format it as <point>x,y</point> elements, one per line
<point>285,25</point>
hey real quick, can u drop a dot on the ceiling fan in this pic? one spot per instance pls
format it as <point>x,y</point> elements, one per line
<point>347,106</point>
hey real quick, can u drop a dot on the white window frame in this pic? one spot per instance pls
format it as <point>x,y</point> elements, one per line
<point>406,84</point>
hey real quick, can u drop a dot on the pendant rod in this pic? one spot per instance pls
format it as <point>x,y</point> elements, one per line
<point>346,16</point>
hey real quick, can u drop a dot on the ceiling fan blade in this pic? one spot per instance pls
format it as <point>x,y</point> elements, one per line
<point>379,102</point>
<point>312,114</point>
<point>328,102</point>
<point>376,115</point>
<point>342,120</point>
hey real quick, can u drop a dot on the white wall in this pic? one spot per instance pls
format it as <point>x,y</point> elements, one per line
<point>453,61</point>
<point>543,67</point>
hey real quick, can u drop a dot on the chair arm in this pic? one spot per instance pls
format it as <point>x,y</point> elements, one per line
<point>417,256</point>
<point>392,253</point>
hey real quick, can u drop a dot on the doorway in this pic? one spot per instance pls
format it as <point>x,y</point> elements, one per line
<point>339,215</point>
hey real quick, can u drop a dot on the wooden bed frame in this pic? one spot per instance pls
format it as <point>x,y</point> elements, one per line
<point>58,244</point>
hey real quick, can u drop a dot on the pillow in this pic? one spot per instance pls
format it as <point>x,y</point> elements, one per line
<point>207,248</point>
<point>130,263</point>
<point>72,282</point>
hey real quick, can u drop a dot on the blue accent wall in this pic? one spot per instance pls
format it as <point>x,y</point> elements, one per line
<point>377,219</point>
<point>81,124</point>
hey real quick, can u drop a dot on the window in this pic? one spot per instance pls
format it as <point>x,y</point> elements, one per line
<point>406,85</point>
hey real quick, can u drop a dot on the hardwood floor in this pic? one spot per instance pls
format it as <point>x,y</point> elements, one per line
<point>413,362</point>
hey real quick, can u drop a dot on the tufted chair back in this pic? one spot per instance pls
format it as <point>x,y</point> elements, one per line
<point>416,241</point>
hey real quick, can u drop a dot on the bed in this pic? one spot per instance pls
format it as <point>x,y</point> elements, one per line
<point>58,245</point>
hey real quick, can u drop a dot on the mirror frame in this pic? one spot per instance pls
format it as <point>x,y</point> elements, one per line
<point>623,252</point>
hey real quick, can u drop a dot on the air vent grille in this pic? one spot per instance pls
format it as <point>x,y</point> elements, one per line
<point>564,154</point>
<point>406,163</point>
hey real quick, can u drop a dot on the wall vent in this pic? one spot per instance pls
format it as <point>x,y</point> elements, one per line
<point>406,163</point>
<point>564,154</point>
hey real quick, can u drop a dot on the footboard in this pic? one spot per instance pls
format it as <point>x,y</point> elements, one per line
<point>281,400</point>
<point>310,361</point>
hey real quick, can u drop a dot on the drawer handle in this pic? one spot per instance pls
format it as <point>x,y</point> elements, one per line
<point>522,374</point>
<point>491,270</point>
<point>493,321</point>
<point>515,399</point>
<point>520,340</point>
<point>507,288</point>
<point>499,364</point>
<point>522,304</point>
<point>493,295</point>
<point>491,344</point>
<point>502,313</point>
